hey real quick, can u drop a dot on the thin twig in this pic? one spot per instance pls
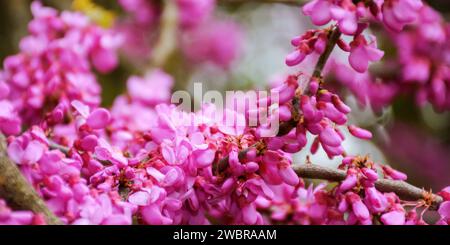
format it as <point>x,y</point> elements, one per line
<point>16,190</point>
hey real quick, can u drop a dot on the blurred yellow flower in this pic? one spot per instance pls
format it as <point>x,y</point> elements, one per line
<point>96,13</point>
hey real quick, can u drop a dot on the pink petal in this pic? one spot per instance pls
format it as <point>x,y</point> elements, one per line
<point>319,12</point>
<point>89,142</point>
<point>81,108</point>
<point>393,218</point>
<point>249,215</point>
<point>374,54</point>
<point>168,154</point>
<point>349,182</point>
<point>104,60</point>
<point>33,152</point>
<point>289,176</point>
<point>117,219</point>
<point>15,152</point>
<point>204,158</point>
<point>360,210</point>
<point>98,119</point>
<point>295,58</point>
<point>140,198</point>
<point>358,59</point>
<point>152,216</point>
<point>330,137</point>
<point>444,210</point>
<point>359,132</point>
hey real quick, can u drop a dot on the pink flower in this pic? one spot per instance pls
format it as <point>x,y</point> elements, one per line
<point>393,218</point>
<point>26,153</point>
<point>319,11</point>
<point>445,193</point>
<point>154,88</point>
<point>97,119</point>
<point>10,123</point>
<point>152,215</point>
<point>217,42</point>
<point>375,200</point>
<point>330,137</point>
<point>362,53</point>
<point>349,182</point>
<point>444,211</point>
<point>358,207</point>
<point>398,13</point>
<point>194,12</point>
<point>347,20</point>
<point>394,174</point>
<point>295,58</point>
<point>359,132</point>
<point>288,175</point>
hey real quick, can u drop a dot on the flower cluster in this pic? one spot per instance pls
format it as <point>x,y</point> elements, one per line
<point>54,66</point>
<point>423,59</point>
<point>59,179</point>
<point>352,18</point>
<point>352,15</point>
<point>355,200</point>
<point>419,66</point>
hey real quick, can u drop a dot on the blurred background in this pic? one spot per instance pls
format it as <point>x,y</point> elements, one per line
<point>416,140</point>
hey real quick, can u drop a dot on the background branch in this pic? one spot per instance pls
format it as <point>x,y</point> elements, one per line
<point>16,190</point>
<point>167,41</point>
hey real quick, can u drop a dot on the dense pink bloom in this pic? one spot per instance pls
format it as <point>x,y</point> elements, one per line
<point>56,56</point>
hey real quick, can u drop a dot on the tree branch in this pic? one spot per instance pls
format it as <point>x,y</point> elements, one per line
<point>166,43</point>
<point>404,190</point>
<point>16,190</point>
<point>332,40</point>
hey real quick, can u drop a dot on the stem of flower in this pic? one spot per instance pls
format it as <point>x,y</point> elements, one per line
<point>16,190</point>
<point>332,40</point>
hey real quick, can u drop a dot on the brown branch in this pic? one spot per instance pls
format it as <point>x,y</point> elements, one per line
<point>403,189</point>
<point>16,190</point>
<point>332,40</point>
